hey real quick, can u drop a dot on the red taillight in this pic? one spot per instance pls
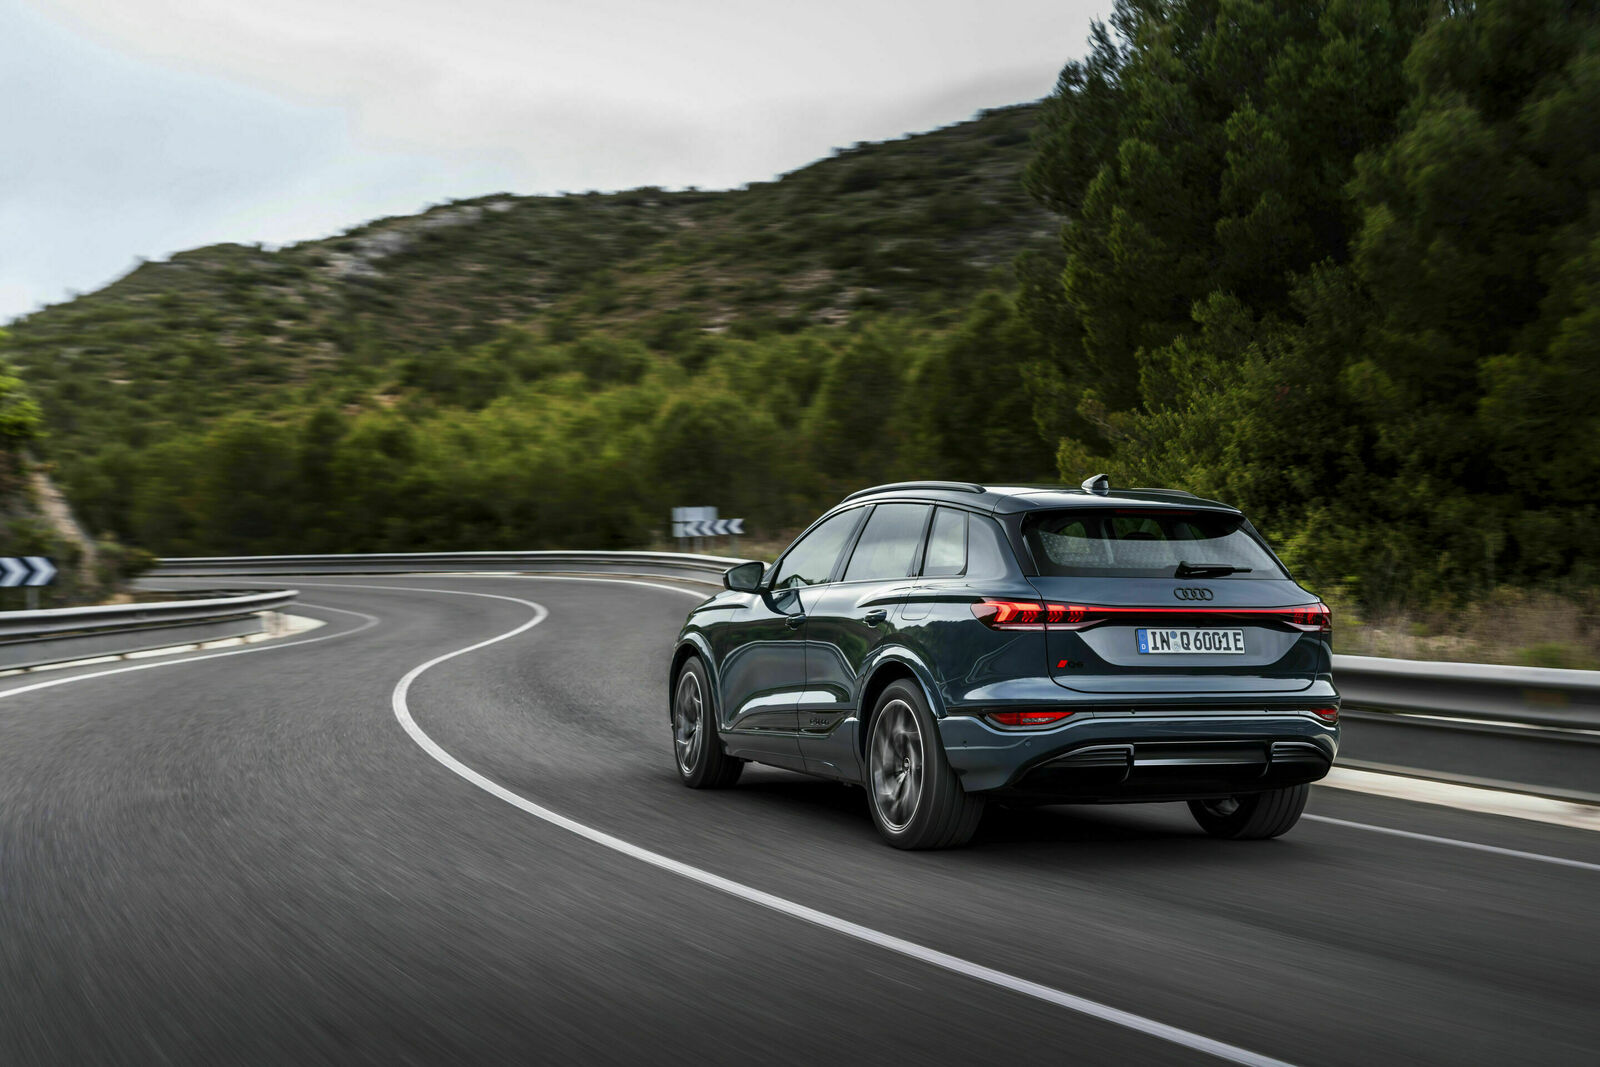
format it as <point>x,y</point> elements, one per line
<point>1326,714</point>
<point>1036,615</point>
<point>1031,615</point>
<point>1314,618</point>
<point>1010,614</point>
<point>1027,718</point>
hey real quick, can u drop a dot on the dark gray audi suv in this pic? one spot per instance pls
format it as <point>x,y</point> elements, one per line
<point>945,643</point>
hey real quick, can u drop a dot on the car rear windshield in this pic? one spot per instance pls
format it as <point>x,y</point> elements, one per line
<point>1125,543</point>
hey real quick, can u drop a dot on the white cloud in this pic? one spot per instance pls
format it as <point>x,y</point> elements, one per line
<point>159,123</point>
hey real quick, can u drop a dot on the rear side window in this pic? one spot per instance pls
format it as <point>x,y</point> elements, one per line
<point>888,545</point>
<point>947,544</point>
<point>1145,544</point>
<point>810,560</point>
<point>988,554</point>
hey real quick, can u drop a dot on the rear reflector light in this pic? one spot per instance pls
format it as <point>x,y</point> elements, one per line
<point>1326,714</point>
<point>1027,718</point>
<point>1045,615</point>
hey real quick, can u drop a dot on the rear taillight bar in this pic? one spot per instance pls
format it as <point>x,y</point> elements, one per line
<point>1046,615</point>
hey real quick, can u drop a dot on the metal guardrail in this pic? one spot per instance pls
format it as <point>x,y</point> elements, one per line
<point>1533,696</point>
<point>60,635</point>
<point>668,564</point>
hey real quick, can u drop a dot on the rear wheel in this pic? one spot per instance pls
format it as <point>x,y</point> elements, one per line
<point>915,798</point>
<point>1252,816</point>
<point>702,763</point>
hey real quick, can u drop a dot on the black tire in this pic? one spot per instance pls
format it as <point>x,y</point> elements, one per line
<point>906,757</point>
<point>696,746</point>
<point>1253,816</point>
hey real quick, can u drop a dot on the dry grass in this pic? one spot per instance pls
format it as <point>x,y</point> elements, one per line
<point>1536,629</point>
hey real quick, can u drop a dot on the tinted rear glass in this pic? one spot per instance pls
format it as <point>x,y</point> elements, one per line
<point>1143,544</point>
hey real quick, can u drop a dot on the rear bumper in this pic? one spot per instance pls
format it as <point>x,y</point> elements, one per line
<point>1142,756</point>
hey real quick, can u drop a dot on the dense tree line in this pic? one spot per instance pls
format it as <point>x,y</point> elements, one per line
<point>524,442</point>
<point>1337,262</point>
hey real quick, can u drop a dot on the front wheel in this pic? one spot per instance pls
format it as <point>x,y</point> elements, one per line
<point>702,763</point>
<point>915,797</point>
<point>1253,816</point>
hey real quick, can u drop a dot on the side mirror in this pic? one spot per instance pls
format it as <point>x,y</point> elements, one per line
<point>745,578</point>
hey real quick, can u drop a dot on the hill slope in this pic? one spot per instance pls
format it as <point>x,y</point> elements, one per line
<point>525,371</point>
<point>906,224</point>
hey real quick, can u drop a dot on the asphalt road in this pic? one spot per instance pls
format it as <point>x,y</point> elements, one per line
<point>249,858</point>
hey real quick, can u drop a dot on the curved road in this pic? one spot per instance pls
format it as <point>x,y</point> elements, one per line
<point>310,851</point>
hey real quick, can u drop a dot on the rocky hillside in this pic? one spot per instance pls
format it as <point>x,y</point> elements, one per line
<point>912,224</point>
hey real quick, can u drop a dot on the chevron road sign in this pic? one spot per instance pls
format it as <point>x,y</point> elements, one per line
<point>709,528</point>
<point>28,570</point>
<point>703,522</point>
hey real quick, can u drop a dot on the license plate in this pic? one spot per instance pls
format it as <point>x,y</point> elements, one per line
<point>1191,641</point>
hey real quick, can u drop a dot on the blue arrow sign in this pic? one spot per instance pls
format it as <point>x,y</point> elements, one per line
<point>14,572</point>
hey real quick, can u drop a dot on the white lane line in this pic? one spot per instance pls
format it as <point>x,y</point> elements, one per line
<point>371,621</point>
<point>696,593</point>
<point>888,942</point>
<point>1473,845</point>
<point>1465,797</point>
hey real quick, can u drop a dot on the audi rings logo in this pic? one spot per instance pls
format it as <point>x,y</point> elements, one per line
<point>1192,592</point>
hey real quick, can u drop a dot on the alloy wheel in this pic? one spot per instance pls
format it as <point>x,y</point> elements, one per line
<point>688,722</point>
<point>897,764</point>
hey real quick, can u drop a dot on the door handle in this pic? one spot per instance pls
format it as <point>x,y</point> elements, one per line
<point>875,616</point>
<point>794,622</point>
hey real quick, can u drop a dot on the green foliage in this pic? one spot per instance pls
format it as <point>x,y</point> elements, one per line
<point>1336,263</point>
<point>520,442</point>
<point>20,417</point>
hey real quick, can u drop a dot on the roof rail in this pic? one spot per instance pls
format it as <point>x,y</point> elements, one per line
<point>1078,488</point>
<point>959,487</point>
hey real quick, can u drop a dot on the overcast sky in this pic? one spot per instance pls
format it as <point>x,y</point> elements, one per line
<point>138,128</point>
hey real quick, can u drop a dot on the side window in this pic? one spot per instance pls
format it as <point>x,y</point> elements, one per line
<point>988,554</point>
<point>888,545</point>
<point>810,560</point>
<point>947,544</point>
